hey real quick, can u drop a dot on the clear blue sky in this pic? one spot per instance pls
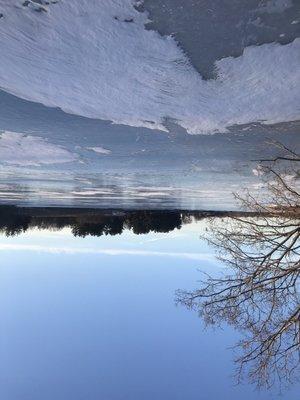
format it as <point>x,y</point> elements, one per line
<point>94,319</point>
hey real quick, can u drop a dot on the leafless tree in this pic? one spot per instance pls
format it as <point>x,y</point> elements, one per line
<point>259,292</point>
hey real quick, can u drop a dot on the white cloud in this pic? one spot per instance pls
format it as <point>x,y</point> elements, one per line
<point>108,252</point>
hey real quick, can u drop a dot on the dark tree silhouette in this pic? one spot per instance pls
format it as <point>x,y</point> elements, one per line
<point>15,220</point>
<point>259,292</point>
<point>12,224</point>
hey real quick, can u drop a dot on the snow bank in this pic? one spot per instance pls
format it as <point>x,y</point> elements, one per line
<point>20,149</point>
<point>94,58</point>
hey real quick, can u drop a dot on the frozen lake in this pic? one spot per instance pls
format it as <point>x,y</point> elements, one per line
<point>124,167</point>
<point>53,157</point>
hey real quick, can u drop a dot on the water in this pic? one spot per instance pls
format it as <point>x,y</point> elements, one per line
<point>94,317</point>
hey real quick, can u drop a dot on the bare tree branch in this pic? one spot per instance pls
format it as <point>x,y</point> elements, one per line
<point>259,294</point>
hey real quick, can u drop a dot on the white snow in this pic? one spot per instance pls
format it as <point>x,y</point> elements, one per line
<point>99,150</point>
<point>258,171</point>
<point>83,57</point>
<point>24,150</point>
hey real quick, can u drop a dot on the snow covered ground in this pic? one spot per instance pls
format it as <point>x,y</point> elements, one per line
<point>96,59</point>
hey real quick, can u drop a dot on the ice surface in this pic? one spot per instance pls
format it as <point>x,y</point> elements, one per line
<point>20,149</point>
<point>99,150</point>
<point>275,6</point>
<point>96,59</point>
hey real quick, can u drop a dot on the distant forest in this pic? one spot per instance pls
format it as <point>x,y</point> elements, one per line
<point>83,222</point>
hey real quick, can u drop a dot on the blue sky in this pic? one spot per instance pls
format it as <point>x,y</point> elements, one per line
<point>95,318</point>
